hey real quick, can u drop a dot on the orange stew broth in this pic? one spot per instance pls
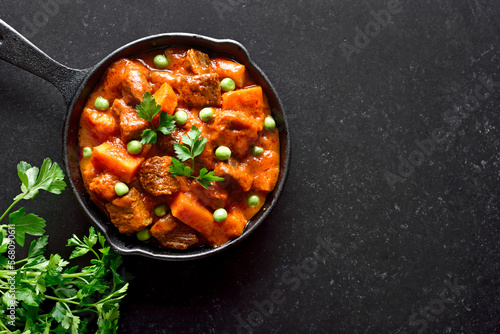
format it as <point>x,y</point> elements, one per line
<point>237,123</point>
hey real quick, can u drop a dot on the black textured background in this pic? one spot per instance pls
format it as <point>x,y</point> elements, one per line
<point>343,251</point>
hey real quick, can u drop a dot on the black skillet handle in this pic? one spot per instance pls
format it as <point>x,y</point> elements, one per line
<point>18,51</point>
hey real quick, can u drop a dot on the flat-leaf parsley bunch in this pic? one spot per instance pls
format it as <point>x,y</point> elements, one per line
<point>42,294</point>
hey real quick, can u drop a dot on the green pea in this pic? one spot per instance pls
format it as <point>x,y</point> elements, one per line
<point>253,200</point>
<point>220,215</point>
<point>87,152</point>
<point>181,117</point>
<point>257,150</point>
<point>269,123</point>
<point>223,152</point>
<point>206,114</point>
<point>143,235</point>
<point>161,61</point>
<point>161,210</point>
<point>227,84</point>
<point>134,147</point>
<point>101,103</point>
<point>121,189</point>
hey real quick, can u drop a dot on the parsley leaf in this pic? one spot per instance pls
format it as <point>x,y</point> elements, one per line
<point>30,223</point>
<point>58,312</point>
<point>206,177</point>
<point>183,152</point>
<point>147,110</point>
<point>49,177</point>
<point>166,124</point>
<point>38,246</point>
<point>179,169</point>
<point>194,148</point>
<point>148,136</point>
<point>82,247</point>
<point>27,296</point>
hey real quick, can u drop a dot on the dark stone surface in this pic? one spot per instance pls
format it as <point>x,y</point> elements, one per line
<point>343,251</point>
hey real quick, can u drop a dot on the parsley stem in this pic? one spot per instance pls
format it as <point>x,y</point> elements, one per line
<point>85,310</point>
<point>79,275</point>
<point>61,300</point>
<point>7,274</point>
<point>10,207</point>
<point>5,328</point>
<point>95,253</point>
<point>23,260</point>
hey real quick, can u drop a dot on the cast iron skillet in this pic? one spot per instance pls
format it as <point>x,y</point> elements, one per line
<point>76,85</point>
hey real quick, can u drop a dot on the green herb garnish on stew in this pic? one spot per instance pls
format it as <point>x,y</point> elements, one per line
<point>147,110</point>
<point>194,148</point>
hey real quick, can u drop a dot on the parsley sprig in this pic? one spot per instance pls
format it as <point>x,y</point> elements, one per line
<point>194,148</point>
<point>50,178</point>
<point>49,296</point>
<point>147,110</point>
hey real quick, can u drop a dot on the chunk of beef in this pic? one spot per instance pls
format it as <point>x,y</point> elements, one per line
<point>131,125</point>
<point>158,78</point>
<point>213,196</point>
<point>172,233</point>
<point>128,213</point>
<point>118,106</point>
<point>127,79</point>
<point>166,142</point>
<point>155,177</point>
<point>104,186</point>
<point>235,130</point>
<point>199,62</point>
<point>136,81</point>
<point>199,90</point>
<point>237,171</point>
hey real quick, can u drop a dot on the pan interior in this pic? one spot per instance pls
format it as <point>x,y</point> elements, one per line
<point>129,244</point>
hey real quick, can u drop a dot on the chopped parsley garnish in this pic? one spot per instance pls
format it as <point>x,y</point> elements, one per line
<point>147,110</point>
<point>194,148</point>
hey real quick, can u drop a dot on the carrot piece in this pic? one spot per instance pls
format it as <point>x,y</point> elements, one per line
<point>166,98</point>
<point>247,100</point>
<point>229,69</point>
<point>113,156</point>
<point>190,212</point>
<point>234,223</point>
